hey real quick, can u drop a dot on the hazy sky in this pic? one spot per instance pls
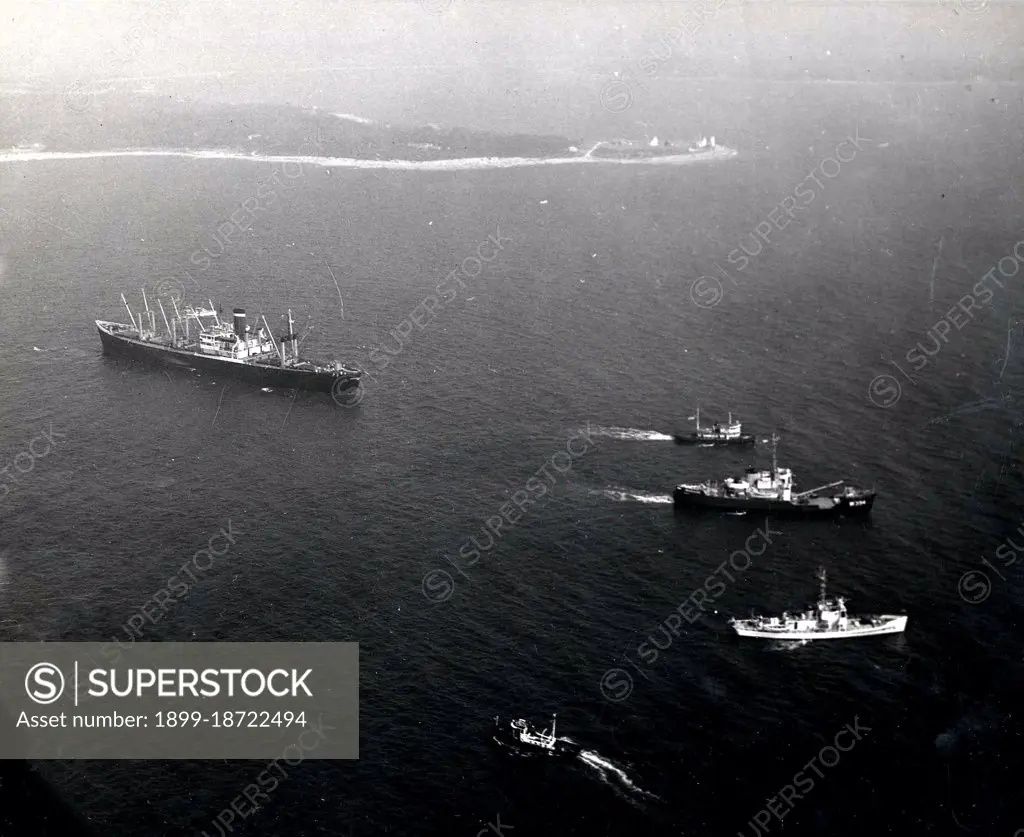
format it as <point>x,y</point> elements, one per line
<point>357,55</point>
<point>59,38</point>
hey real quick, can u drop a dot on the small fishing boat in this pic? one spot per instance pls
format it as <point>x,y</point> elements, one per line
<point>731,433</point>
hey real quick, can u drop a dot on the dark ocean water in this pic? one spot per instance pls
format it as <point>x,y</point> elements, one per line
<point>585,318</point>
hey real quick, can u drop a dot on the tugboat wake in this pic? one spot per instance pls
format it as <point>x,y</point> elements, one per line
<point>524,739</point>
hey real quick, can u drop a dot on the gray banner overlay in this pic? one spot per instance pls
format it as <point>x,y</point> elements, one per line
<point>179,700</point>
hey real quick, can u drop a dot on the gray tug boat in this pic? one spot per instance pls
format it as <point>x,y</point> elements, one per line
<point>772,492</point>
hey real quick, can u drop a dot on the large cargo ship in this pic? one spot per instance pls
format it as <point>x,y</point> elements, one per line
<point>772,492</point>
<point>198,339</point>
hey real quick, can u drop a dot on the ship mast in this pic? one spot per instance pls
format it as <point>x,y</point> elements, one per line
<point>270,334</point>
<point>178,319</point>
<point>698,418</point>
<point>131,316</point>
<point>821,591</point>
<point>149,314</point>
<point>164,315</point>
<point>775,464</point>
<point>291,336</point>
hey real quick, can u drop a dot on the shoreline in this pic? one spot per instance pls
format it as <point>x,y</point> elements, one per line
<point>721,153</point>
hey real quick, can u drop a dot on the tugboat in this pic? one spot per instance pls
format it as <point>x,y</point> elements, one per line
<point>772,491</point>
<point>232,349</point>
<point>730,434</point>
<point>828,620</point>
<point>525,736</point>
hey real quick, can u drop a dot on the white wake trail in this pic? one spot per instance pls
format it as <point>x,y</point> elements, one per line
<point>623,496</point>
<point>630,434</point>
<point>612,774</point>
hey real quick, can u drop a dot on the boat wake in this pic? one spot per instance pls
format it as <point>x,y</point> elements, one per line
<point>532,744</point>
<point>783,645</point>
<point>623,496</point>
<point>615,776</point>
<point>629,434</point>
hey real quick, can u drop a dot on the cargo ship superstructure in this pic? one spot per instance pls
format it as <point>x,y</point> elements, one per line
<point>197,338</point>
<point>772,491</point>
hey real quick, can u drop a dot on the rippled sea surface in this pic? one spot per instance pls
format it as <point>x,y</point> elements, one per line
<point>348,521</point>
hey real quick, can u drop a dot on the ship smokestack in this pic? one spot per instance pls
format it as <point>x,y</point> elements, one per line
<point>240,322</point>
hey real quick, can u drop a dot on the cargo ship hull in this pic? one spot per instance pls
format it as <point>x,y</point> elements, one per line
<point>816,507</point>
<point>264,374</point>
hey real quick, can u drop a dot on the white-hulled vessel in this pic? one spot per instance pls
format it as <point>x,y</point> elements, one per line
<point>828,621</point>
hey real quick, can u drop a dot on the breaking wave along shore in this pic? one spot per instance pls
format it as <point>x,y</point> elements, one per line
<point>720,153</point>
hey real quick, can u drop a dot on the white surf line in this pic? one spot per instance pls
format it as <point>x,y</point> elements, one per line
<point>462,163</point>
